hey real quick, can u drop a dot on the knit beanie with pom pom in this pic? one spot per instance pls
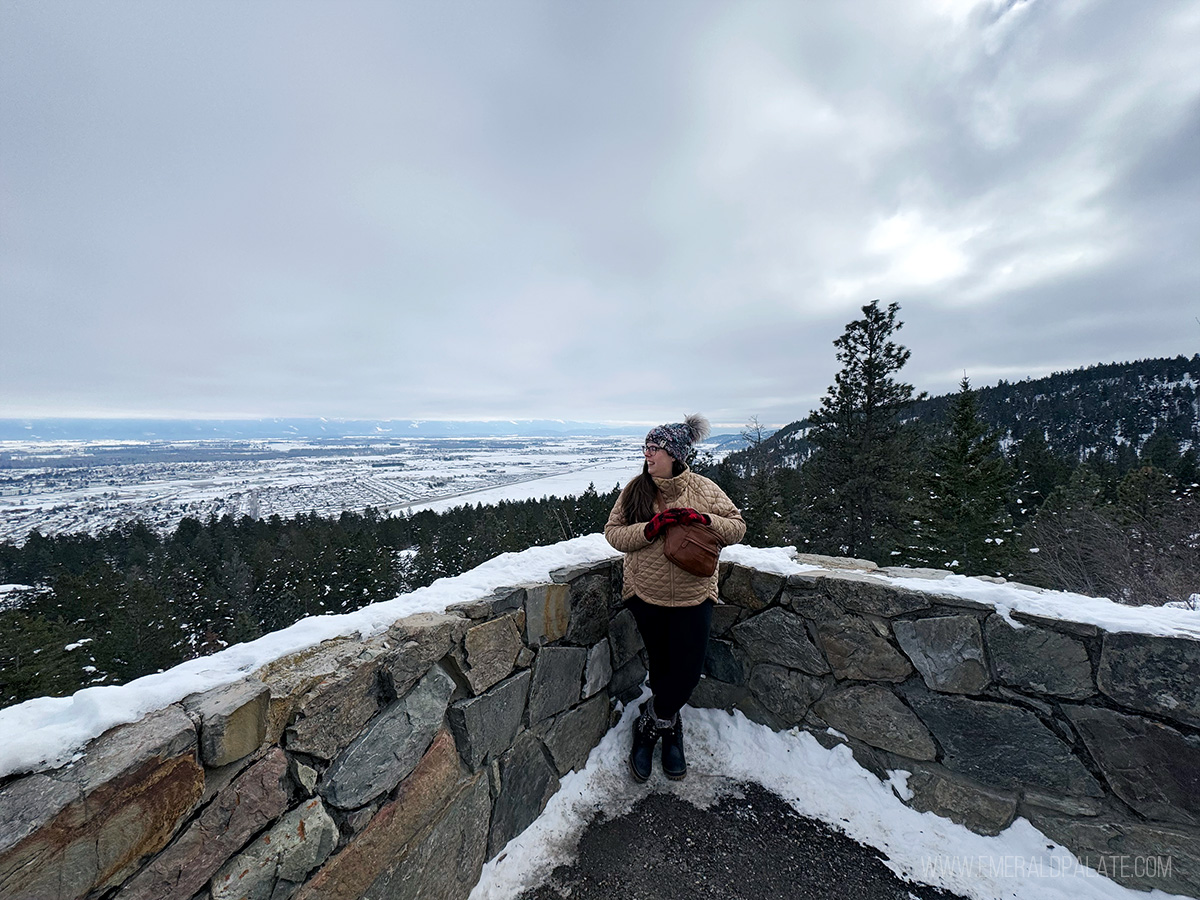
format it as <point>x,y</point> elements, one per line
<point>677,438</point>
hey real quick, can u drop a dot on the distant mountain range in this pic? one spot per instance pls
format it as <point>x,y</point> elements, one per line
<point>1077,411</point>
<point>296,429</point>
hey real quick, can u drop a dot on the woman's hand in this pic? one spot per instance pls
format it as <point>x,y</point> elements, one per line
<point>689,516</point>
<point>660,523</point>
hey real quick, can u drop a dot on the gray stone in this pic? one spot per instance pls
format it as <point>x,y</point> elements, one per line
<point>547,613</point>
<point>1152,767</point>
<point>812,605</point>
<point>491,650</point>
<point>722,662</point>
<point>982,809</point>
<point>865,594</point>
<point>121,802</point>
<point>713,694</point>
<point>293,847</point>
<point>750,588</point>
<point>1158,675</point>
<point>570,736</point>
<point>625,638</point>
<point>397,826</point>
<point>418,642</point>
<point>589,595</point>
<point>725,616</point>
<point>390,747</point>
<point>1139,855</point>
<point>485,726</point>
<point>875,716</point>
<point>916,572</point>
<point>834,562</point>
<point>567,574</point>
<point>947,651</point>
<point>304,776</point>
<point>598,672</point>
<point>1038,659</point>
<point>856,650</point>
<point>444,860</point>
<point>627,681</point>
<point>557,681</point>
<point>251,802</point>
<point>1034,799</point>
<point>233,720</point>
<point>527,782</point>
<point>1001,745</point>
<point>786,693</point>
<point>336,710</point>
<point>780,637</point>
<point>1080,629</point>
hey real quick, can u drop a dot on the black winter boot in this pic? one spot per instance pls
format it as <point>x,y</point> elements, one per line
<point>673,764</point>
<point>641,754</point>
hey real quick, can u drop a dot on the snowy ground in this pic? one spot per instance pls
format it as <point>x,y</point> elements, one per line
<point>86,486</point>
<point>723,750</point>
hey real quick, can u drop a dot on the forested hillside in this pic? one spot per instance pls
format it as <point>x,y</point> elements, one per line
<point>1111,409</point>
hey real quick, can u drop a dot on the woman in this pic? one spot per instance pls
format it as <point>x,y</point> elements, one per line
<point>673,608</point>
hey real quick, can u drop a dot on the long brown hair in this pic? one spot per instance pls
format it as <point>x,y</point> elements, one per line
<point>638,500</point>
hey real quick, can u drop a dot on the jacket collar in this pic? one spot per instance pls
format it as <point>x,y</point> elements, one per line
<point>670,488</point>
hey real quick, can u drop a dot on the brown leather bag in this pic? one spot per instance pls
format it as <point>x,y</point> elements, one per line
<point>695,548</point>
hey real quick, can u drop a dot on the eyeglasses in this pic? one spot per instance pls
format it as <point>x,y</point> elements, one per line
<point>651,449</point>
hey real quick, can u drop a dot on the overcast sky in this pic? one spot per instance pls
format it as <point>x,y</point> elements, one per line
<point>617,211</point>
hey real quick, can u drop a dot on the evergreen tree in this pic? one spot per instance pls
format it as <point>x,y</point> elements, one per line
<point>858,497</point>
<point>966,483</point>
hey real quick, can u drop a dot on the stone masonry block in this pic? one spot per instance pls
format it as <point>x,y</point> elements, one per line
<point>233,720</point>
<point>420,799</point>
<point>947,651</point>
<point>485,726</point>
<point>1038,659</point>
<point>589,602</point>
<point>252,801</point>
<point>557,681</point>
<point>876,716</point>
<point>856,650</point>
<point>491,652</point>
<point>863,594</point>
<point>547,613</point>
<point>1152,767</point>
<point>1158,675</point>
<point>282,857</point>
<point>105,813</point>
<point>624,637</point>
<point>1003,746</point>
<point>527,782</point>
<point>391,746</point>
<point>749,588</point>
<point>598,672</point>
<point>781,637</point>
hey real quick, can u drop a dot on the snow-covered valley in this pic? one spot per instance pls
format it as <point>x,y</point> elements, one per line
<point>87,486</point>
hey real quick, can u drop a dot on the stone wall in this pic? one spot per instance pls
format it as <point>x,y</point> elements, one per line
<point>1093,737</point>
<point>395,766</point>
<point>388,767</point>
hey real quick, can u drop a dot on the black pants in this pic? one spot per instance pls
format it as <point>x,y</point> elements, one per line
<point>675,638</point>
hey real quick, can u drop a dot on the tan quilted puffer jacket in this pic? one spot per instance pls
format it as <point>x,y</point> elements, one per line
<point>648,572</point>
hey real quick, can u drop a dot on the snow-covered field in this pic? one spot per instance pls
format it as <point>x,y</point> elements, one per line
<point>86,486</point>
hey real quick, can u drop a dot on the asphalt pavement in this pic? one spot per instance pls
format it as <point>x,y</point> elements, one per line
<point>743,848</point>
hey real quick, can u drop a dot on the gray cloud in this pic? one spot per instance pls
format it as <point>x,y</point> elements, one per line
<point>586,211</point>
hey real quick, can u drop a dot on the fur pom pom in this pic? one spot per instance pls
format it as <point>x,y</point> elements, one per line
<point>698,427</point>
